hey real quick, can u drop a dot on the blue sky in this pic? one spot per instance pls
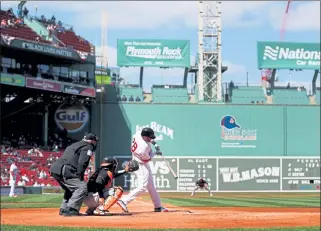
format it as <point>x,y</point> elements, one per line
<point>243,22</point>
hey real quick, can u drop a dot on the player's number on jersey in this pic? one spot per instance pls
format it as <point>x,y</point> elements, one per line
<point>134,146</point>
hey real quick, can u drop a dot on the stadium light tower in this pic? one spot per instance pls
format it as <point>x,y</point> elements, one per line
<point>209,51</point>
<point>104,57</point>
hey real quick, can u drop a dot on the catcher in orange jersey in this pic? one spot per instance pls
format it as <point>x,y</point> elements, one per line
<point>100,195</point>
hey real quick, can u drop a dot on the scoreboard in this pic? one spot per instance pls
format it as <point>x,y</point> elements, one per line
<point>227,174</point>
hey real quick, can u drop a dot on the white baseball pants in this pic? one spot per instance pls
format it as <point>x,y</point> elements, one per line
<point>13,187</point>
<point>145,182</point>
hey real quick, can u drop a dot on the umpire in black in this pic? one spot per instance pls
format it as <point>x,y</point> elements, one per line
<point>69,172</point>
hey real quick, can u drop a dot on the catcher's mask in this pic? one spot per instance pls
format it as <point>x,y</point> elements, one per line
<point>110,162</point>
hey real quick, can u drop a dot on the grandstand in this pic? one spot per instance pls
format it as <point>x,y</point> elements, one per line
<point>46,69</point>
<point>43,30</point>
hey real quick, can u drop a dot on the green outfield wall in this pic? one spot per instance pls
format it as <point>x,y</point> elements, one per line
<point>211,130</point>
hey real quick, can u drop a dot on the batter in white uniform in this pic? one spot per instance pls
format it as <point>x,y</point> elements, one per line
<point>143,153</point>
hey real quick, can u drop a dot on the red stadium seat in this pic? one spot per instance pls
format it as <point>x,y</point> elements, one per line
<point>70,39</point>
<point>22,31</point>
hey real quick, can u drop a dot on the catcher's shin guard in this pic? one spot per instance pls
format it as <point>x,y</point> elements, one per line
<point>111,200</point>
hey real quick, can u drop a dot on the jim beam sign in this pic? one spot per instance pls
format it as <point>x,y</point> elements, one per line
<point>162,176</point>
<point>159,129</point>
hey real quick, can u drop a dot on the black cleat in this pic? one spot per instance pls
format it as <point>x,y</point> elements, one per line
<point>70,212</point>
<point>61,212</point>
<point>161,209</point>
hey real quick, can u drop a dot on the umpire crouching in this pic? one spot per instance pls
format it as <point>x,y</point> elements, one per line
<point>69,172</point>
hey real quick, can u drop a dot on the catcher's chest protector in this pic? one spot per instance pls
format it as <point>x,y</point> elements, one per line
<point>109,179</point>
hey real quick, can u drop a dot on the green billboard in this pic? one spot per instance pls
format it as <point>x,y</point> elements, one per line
<point>288,55</point>
<point>103,79</point>
<point>13,79</point>
<point>153,53</point>
<point>102,76</point>
<point>213,130</point>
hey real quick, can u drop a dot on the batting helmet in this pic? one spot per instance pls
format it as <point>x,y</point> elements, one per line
<point>148,132</point>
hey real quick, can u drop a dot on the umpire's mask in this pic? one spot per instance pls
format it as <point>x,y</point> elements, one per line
<point>92,137</point>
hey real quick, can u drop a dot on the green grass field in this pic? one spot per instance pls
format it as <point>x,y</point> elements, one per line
<point>177,199</point>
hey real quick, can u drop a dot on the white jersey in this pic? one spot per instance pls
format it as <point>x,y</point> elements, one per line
<point>141,150</point>
<point>14,170</point>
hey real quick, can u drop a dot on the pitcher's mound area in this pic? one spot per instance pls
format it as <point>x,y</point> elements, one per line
<point>142,217</point>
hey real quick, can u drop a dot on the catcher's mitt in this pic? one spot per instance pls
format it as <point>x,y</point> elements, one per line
<point>132,166</point>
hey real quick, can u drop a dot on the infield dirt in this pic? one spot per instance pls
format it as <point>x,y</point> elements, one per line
<point>142,217</point>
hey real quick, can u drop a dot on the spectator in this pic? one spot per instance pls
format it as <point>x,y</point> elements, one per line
<point>25,12</point>
<point>36,184</point>
<point>10,12</point>
<point>53,19</point>
<point>22,141</point>
<point>21,183</point>
<point>3,150</point>
<point>33,167</point>
<point>124,98</point>
<point>42,174</point>
<point>288,86</point>
<point>131,99</point>
<point>43,18</point>
<point>137,99</point>
<point>3,23</point>
<point>55,147</point>
<point>35,152</point>
<point>9,23</point>
<point>4,176</point>
<point>19,22</point>
<point>231,85</point>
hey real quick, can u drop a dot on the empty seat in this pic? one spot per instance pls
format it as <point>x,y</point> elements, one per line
<point>133,94</point>
<point>290,96</point>
<point>247,95</point>
<point>170,95</point>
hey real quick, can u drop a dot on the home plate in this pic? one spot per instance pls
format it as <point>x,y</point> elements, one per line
<point>189,212</point>
<point>192,213</point>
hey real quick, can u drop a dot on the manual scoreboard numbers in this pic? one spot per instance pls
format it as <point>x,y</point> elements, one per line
<point>192,169</point>
<point>301,174</point>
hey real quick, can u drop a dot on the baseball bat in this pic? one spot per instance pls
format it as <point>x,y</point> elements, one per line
<point>168,165</point>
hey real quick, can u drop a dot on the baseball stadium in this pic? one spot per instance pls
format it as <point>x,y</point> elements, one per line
<point>256,147</point>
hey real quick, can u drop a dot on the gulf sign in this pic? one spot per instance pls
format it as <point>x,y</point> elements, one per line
<point>72,117</point>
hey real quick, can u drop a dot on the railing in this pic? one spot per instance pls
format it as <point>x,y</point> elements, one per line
<point>60,42</point>
<point>64,25</point>
<point>17,37</point>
